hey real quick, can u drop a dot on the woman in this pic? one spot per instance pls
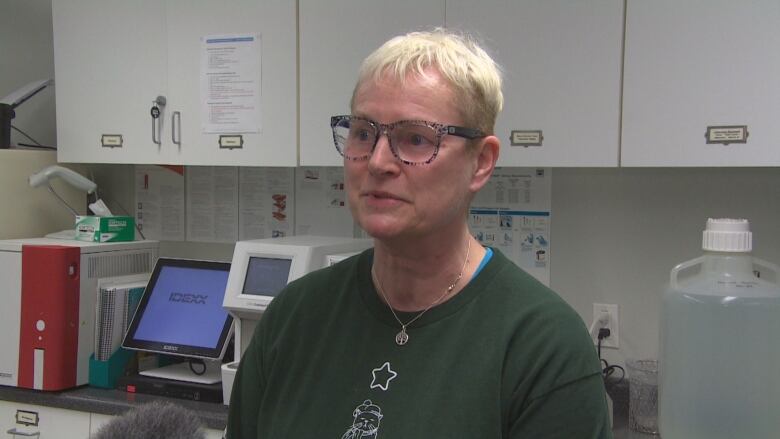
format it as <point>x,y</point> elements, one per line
<point>429,334</point>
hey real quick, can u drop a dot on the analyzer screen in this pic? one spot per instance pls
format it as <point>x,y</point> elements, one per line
<point>266,276</point>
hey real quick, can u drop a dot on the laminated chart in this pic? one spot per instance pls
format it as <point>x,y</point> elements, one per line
<point>512,214</point>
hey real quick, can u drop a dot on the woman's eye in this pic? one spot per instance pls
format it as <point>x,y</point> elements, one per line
<point>417,139</point>
<point>361,135</point>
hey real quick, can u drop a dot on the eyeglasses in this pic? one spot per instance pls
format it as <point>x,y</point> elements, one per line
<point>414,142</point>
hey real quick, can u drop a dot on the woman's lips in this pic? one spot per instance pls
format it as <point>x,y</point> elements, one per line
<point>381,199</point>
<point>381,194</point>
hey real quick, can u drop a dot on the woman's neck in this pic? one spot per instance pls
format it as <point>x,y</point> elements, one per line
<point>411,279</point>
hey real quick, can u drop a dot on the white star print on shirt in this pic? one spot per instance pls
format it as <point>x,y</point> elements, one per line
<point>382,376</point>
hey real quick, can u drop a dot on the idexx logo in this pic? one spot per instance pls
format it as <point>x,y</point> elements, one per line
<point>117,223</point>
<point>188,298</point>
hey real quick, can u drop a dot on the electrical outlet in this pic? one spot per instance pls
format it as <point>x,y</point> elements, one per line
<point>613,341</point>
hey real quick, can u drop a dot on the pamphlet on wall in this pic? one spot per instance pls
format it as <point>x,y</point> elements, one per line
<point>266,202</point>
<point>212,203</point>
<point>512,213</point>
<point>321,202</point>
<point>159,196</point>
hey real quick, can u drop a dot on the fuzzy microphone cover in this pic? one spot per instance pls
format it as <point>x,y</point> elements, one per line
<point>154,420</point>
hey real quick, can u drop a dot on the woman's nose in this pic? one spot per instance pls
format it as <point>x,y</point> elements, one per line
<point>383,160</point>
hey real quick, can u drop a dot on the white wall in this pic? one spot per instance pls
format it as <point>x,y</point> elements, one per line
<point>26,55</point>
<point>616,234</point>
<point>27,212</point>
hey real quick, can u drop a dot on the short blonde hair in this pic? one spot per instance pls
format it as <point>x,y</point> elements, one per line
<point>473,75</point>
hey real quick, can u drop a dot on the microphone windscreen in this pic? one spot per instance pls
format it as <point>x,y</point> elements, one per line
<point>154,420</point>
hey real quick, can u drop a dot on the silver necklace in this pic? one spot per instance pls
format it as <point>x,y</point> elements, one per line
<point>403,337</point>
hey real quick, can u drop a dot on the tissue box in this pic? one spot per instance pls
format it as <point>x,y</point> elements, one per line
<point>105,228</point>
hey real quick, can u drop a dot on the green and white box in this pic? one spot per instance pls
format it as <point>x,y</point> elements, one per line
<point>105,228</point>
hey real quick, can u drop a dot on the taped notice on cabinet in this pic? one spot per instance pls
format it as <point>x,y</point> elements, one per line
<point>512,214</point>
<point>230,83</point>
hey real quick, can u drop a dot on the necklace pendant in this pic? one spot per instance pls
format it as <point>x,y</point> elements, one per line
<point>402,337</point>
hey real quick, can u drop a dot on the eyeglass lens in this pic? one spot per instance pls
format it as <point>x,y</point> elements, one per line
<point>410,141</point>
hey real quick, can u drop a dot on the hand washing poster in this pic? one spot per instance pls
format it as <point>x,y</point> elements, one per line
<point>512,213</point>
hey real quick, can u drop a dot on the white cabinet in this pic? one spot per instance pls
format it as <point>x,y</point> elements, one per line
<point>49,423</point>
<point>697,64</point>
<point>98,420</point>
<point>561,62</point>
<point>214,434</point>
<point>109,59</point>
<point>274,22</point>
<point>113,58</point>
<point>335,37</point>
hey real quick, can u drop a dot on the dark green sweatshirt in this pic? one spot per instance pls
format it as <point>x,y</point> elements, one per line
<point>504,358</point>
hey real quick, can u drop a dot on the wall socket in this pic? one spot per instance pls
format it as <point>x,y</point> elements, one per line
<point>613,341</point>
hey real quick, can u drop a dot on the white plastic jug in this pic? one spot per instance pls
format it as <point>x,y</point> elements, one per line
<point>719,365</point>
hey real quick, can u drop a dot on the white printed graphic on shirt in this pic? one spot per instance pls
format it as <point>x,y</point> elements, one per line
<point>366,421</point>
<point>382,376</point>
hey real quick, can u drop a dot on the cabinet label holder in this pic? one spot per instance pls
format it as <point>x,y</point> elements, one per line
<point>111,140</point>
<point>526,138</point>
<point>27,418</point>
<point>233,141</point>
<point>726,134</point>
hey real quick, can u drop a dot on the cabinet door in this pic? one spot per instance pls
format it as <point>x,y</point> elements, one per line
<point>274,22</point>
<point>109,58</point>
<point>96,421</point>
<point>214,434</point>
<point>561,62</point>
<point>335,37</point>
<point>52,423</point>
<point>697,64</point>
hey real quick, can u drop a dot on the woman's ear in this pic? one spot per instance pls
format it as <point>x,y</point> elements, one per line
<point>486,156</point>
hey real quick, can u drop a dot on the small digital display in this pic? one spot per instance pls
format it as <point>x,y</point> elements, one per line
<point>266,276</point>
<point>181,310</point>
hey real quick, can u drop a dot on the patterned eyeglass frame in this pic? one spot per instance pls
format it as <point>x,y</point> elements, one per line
<point>381,128</point>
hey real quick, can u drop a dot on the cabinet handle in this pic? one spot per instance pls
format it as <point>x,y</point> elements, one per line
<point>156,131</point>
<point>16,432</point>
<point>174,129</point>
<point>156,111</point>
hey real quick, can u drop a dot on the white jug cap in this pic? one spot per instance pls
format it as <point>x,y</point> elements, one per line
<point>727,235</point>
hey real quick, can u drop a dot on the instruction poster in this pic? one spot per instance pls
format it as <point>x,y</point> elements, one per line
<point>230,83</point>
<point>159,201</point>
<point>265,202</point>
<point>512,213</point>
<point>321,202</point>
<point>212,203</point>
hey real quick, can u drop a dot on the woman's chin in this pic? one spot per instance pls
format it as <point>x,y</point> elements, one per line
<point>382,228</point>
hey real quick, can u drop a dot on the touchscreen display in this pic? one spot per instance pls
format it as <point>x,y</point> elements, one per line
<point>185,308</point>
<point>266,276</point>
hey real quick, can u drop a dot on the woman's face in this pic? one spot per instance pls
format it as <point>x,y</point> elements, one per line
<point>390,199</point>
